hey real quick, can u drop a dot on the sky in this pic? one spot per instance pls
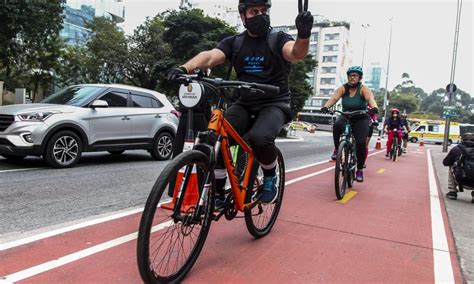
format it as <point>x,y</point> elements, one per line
<point>422,36</point>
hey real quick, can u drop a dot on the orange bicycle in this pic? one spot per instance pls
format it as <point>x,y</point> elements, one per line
<point>171,235</point>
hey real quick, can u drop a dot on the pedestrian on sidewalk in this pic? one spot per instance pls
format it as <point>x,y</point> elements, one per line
<point>460,161</point>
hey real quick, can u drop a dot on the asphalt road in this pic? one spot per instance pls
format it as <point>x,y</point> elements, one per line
<point>33,196</point>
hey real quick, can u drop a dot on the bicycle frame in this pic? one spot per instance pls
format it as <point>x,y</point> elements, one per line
<point>218,124</point>
<point>347,136</point>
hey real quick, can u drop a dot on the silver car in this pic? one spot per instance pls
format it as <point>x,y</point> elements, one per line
<point>86,118</point>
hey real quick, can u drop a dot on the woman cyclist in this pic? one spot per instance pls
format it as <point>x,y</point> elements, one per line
<point>394,122</point>
<point>355,96</point>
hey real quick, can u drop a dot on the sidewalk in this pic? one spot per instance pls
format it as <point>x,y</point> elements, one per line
<point>460,216</point>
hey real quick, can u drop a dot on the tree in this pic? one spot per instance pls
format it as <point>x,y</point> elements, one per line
<point>190,32</point>
<point>461,100</point>
<point>149,54</point>
<point>107,51</point>
<point>405,102</point>
<point>298,81</point>
<point>29,43</point>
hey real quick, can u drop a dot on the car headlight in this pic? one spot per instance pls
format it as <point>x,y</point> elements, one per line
<point>36,116</point>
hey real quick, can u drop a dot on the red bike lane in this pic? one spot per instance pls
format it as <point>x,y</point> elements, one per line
<point>382,234</point>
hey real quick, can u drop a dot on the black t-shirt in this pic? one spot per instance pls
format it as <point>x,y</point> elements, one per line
<point>256,63</point>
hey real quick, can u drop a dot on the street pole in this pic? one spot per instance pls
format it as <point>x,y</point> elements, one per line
<point>365,26</point>
<point>450,90</point>
<point>386,80</point>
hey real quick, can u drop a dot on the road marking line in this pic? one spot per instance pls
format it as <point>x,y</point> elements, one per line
<point>19,170</point>
<point>347,197</point>
<point>78,255</point>
<point>29,272</point>
<point>381,171</point>
<point>443,269</point>
<point>44,235</point>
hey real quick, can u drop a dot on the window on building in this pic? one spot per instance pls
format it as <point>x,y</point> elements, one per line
<point>331,47</point>
<point>334,36</point>
<point>330,58</point>
<point>314,37</point>
<point>326,70</point>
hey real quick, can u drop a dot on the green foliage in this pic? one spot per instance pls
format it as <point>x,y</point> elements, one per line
<point>29,42</point>
<point>107,51</point>
<point>435,102</point>
<point>300,88</point>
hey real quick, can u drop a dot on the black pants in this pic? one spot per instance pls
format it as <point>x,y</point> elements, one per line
<point>260,131</point>
<point>360,130</point>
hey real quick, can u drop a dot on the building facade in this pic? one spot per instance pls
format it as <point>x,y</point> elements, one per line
<point>226,10</point>
<point>373,75</point>
<point>78,12</point>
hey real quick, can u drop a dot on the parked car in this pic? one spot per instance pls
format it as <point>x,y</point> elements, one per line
<point>87,118</point>
<point>305,126</point>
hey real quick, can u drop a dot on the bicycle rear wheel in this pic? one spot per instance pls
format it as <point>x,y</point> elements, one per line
<point>168,247</point>
<point>261,217</point>
<point>341,172</point>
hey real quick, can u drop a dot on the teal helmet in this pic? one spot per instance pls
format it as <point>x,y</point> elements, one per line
<point>356,69</point>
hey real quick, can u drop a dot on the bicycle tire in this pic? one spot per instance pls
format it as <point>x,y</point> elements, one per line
<point>260,229</point>
<point>145,263</point>
<point>351,173</point>
<point>341,168</point>
<point>394,149</point>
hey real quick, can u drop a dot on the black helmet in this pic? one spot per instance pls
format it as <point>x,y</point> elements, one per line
<point>244,4</point>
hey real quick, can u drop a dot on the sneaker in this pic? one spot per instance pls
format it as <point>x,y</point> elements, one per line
<point>359,176</point>
<point>270,191</point>
<point>365,166</point>
<point>387,155</point>
<point>404,150</point>
<point>334,155</point>
<point>452,195</point>
<point>219,203</point>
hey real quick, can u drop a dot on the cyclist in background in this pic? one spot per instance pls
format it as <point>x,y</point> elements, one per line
<point>405,133</point>
<point>255,62</point>
<point>394,122</point>
<point>355,96</point>
<point>373,124</point>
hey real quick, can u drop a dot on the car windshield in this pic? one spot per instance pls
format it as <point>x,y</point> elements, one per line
<point>75,95</point>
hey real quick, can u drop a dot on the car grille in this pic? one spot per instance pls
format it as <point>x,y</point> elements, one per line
<point>5,142</point>
<point>5,121</point>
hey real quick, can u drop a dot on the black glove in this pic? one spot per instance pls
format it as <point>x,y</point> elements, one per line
<point>324,110</point>
<point>173,73</point>
<point>373,111</point>
<point>304,24</point>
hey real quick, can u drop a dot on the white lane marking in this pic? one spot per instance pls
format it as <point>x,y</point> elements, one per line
<point>29,272</point>
<point>443,269</point>
<point>20,170</point>
<point>78,255</point>
<point>283,140</point>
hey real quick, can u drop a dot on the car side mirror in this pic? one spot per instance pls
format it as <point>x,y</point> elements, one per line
<point>99,104</point>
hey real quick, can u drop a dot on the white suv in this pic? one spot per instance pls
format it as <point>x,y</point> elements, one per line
<point>86,118</point>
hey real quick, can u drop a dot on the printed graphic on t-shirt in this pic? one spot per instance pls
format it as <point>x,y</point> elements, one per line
<point>254,64</point>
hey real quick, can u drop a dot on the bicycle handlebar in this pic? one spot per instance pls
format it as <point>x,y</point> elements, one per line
<point>220,83</point>
<point>348,113</point>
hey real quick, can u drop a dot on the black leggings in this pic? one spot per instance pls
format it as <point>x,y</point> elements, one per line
<point>260,131</point>
<point>360,130</point>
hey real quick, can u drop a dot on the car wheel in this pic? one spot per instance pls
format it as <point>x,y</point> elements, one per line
<point>450,142</point>
<point>413,139</point>
<point>116,152</point>
<point>305,129</point>
<point>63,150</point>
<point>13,157</point>
<point>162,146</point>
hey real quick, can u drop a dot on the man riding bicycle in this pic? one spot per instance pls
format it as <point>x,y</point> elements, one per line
<point>394,122</point>
<point>260,117</point>
<point>355,96</point>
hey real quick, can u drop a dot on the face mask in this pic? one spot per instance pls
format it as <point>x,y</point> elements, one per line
<point>258,25</point>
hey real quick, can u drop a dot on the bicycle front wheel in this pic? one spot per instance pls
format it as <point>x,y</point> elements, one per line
<point>168,245</point>
<point>341,170</point>
<point>394,149</point>
<point>261,217</point>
